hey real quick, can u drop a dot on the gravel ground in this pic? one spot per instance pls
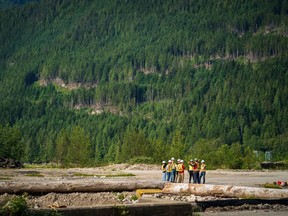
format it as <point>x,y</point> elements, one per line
<point>141,172</point>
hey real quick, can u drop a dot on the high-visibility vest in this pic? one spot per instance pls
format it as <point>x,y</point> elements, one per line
<point>203,167</point>
<point>196,167</point>
<point>180,168</point>
<point>164,167</point>
<point>190,167</point>
<point>176,166</point>
<point>169,168</point>
<point>173,165</point>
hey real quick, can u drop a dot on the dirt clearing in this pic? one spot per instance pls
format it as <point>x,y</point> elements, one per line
<point>120,172</point>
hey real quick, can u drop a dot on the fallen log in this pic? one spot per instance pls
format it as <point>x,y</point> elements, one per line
<point>227,191</point>
<point>43,187</point>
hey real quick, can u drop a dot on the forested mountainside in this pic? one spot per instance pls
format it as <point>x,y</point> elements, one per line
<point>4,4</point>
<point>90,82</point>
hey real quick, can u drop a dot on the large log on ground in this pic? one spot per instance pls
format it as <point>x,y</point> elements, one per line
<point>228,191</point>
<point>76,186</point>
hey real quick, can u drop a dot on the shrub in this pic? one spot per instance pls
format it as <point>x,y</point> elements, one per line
<point>16,206</point>
<point>274,186</point>
<point>141,159</point>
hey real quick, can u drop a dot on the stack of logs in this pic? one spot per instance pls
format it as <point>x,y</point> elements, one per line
<point>9,163</point>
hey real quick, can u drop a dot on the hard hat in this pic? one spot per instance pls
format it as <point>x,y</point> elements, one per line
<point>202,161</point>
<point>196,159</point>
<point>178,160</point>
<point>181,161</point>
<point>163,161</point>
<point>169,161</point>
<point>191,160</point>
<point>172,158</point>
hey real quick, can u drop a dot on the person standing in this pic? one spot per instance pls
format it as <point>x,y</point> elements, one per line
<point>181,169</point>
<point>190,170</point>
<point>164,170</point>
<point>173,167</point>
<point>168,170</point>
<point>196,178</point>
<point>202,171</point>
<point>176,176</point>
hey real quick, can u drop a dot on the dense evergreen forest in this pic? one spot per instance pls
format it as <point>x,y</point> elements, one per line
<point>4,4</point>
<point>87,82</point>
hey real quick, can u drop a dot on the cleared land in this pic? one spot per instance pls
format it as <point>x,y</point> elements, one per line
<point>120,173</point>
<point>141,172</point>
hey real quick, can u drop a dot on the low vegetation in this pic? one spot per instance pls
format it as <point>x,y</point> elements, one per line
<point>273,186</point>
<point>104,175</point>
<point>5,178</point>
<point>83,174</point>
<point>34,175</point>
<point>120,175</point>
<point>16,206</point>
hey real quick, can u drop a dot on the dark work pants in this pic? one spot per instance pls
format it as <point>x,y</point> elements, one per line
<point>202,175</point>
<point>196,177</point>
<point>191,175</point>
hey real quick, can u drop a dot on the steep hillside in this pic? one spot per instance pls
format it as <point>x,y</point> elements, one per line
<point>147,78</point>
<point>4,4</point>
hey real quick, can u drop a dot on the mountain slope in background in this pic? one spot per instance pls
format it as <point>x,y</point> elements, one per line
<point>4,4</point>
<point>146,79</point>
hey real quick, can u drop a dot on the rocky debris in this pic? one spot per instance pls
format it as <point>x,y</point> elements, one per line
<point>65,200</point>
<point>4,198</point>
<point>123,166</point>
<point>79,199</point>
<point>59,200</point>
<point>189,198</point>
<point>9,163</point>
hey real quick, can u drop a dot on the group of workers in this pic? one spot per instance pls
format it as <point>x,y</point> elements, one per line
<point>174,172</point>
